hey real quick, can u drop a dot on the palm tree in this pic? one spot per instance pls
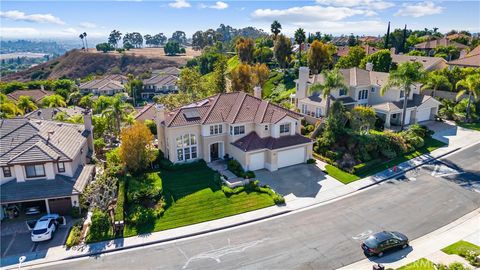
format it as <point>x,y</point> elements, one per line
<point>86,102</point>
<point>26,104</point>
<point>435,81</point>
<point>8,109</point>
<point>472,85</point>
<point>404,78</point>
<point>276,28</point>
<point>74,98</point>
<point>117,112</point>
<point>85,36</point>
<point>54,101</point>
<point>83,43</point>
<point>300,38</point>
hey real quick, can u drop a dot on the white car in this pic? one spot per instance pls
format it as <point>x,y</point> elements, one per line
<point>45,227</point>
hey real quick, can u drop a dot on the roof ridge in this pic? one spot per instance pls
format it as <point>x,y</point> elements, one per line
<point>13,130</point>
<point>26,150</point>
<point>217,97</point>
<point>244,95</point>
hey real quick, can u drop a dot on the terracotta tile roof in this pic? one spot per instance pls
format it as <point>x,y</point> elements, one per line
<point>474,51</point>
<point>358,77</point>
<point>343,50</point>
<point>146,113</point>
<point>236,107</point>
<point>432,44</point>
<point>468,61</point>
<point>253,142</point>
<point>428,63</point>
<point>35,94</point>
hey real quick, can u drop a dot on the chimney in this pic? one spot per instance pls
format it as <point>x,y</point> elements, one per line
<point>159,118</point>
<point>302,83</point>
<point>87,122</point>
<point>159,113</point>
<point>42,88</point>
<point>257,92</point>
<point>369,66</point>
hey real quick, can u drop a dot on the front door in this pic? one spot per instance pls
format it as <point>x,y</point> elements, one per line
<point>214,155</point>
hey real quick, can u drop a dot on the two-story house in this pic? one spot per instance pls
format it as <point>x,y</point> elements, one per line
<point>364,89</point>
<point>106,86</point>
<point>44,163</point>
<point>253,131</point>
<point>159,84</point>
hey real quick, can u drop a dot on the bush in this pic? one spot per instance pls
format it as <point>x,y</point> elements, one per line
<point>142,215</point>
<point>456,266</point>
<point>74,236</point>
<point>144,188</point>
<point>388,153</point>
<point>311,161</point>
<point>236,168</point>
<point>75,212</point>
<point>249,175</point>
<point>100,228</point>
<point>119,208</point>
<point>278,199</point>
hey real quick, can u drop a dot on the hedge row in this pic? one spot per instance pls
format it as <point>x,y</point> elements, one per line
<point>254,186</point>
<point>119,208</point>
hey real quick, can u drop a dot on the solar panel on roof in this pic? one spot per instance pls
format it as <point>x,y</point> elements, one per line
<point>191,114</point>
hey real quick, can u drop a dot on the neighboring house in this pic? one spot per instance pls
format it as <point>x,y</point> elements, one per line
<point>428,63</point>
<point>296,48</point>
<point>147,112</point>
<point>35,94</point>
<point>167,71</point>
<point>370,39</point>
<point>364,89</point>
<point>45,163</point>
<point>472,59</point>
<point>159,84</point>
<point>340,41</point>
<point>106,86</point>
<point>50,113</point>
<point>431,45</point>
<point>343,51</point>
<point>255,132</point>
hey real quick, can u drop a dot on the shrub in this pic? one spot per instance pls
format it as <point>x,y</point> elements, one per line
<point>236,168</point>
<point>249,175</point>
<point>278,199</point>
<point>146,187</point>
<point>311,161</point>
<point>142,215</point>
<point>74,236</point>
<point>456,266</point>
<point>75,212</point>
<point>119,208</point>
<point>388,153</point>
<point>100,228</point>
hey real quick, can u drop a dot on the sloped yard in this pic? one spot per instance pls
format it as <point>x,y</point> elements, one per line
<point>194,195</point>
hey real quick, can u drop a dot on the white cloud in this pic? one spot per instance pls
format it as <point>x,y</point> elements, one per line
<point>363,27</point>
<point>39,18</point>
<point>88,25</point>
<point>419,10</point>
<point>309,14</point>
<point>373,4</point>
<point>180,4</point>
<point>30,32</point>
<point>219,5</point>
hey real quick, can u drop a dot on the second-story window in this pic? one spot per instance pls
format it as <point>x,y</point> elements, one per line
<point>342,92</point>
<point>36,170</point>
<point>363,94</point>
<point>318,112</point>
<point>402,93</point>
<point>7,172</point>
<point>238,130</point>
<point>61,166</point>
<point>216,129</point>
<point>304,108</point>
<point>285,128</point>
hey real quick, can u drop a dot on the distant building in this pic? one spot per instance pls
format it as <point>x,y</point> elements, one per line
<point>343,50</point>
<point>50,113</point>
<point>106,86</point>
<point>159,84</point>
<point>472,59</point>
<point>147,112</point>
<point>35,94</point>
<point>430,46</point>
<point>167,71</point>
<point>428,63</point>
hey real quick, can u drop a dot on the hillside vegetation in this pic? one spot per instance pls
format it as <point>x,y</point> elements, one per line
<point>78,64</point>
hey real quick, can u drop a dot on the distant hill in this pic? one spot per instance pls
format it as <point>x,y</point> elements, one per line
<point>76,64</point>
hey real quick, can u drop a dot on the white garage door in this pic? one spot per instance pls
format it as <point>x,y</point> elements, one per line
<point>257,161</point>
<point>291,157</point>
<point>423,115</point>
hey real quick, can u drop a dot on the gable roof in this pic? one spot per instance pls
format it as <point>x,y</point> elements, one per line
<point>161,80</point>
<point>416,101</point>
<point>428,63</point>
<point>232,108</point>
<point>110,82</point>
<point>168,71</point>
<point>146,113</point>
<point>474,51</point>
<point>24,140</point>
<point>35,94</point>
<point>253,142</point>
<point>358,77</point>
<point>432,44</point>
<point>49,113</point>
<point>467,61</point>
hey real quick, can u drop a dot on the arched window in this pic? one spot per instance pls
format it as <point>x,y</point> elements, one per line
<point>186,147</point>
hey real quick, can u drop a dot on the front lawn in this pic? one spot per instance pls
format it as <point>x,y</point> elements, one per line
<point>345,177</point>
<point>461,247</point>
<point>193,196</point>
<point>474,126</point>
<point>421,264</point>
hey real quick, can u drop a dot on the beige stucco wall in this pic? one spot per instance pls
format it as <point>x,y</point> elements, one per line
<point>208,140</point>
<point>173,133</point>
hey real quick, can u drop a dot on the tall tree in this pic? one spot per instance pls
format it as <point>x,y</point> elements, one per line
<point>241,78</point>
<point>276,28</point>
<point>8,109</point>
<point>353,58</point>
<point>471,84</point>
<point>244,48</point>
<point>352,40</point>
<point>134,87</point>
<point>83,42</point>
<point>387,37</point>
<point>381,60</point>
<point>85,37</point>
<point>26,104</point>
<point>54,101</point>
<point>404,77</point>
<point>300,39</point>
<point>117,112</point>
<point>260,73</point>
<point>435,81</point>
<point>180,37</point>
<point>318,56</point>
<point>219,75</point>
<point>332,80</point>
<point>114,37</point>
<point>282,50</point>
<point>190,82</point>
<point>137,150</point>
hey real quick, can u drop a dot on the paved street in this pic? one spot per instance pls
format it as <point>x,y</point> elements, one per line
<point>325,237</point>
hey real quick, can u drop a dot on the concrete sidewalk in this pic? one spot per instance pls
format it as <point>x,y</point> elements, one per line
<point>428,246</point>
<point>292,204</point>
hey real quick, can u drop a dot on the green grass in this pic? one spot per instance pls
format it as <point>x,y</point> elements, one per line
<point>192,197</point>
<point>461,247</point>
<point>345,177</point>
<point>340,175</point>
<point>232,63</point>
<point>421,264</point>
<point>474,126</point>
<point>272,82</point>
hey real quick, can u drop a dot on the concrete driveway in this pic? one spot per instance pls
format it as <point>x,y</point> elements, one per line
<point>303,180</point>
<point>455,136</point>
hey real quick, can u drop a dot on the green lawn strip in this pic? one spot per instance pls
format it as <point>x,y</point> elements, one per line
<point>461,247</point>
<point>421,264</point>
<point>345,177</point>
<point>232,63</point>
<point>474,126</point>
<point>340,175</point>
<point>271,83</point>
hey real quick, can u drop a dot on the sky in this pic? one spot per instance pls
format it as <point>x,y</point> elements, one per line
<point>67,19</point>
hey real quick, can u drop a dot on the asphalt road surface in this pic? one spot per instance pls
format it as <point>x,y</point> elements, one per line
<point>324,237</point>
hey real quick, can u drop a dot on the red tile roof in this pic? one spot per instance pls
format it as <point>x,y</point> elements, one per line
<point>236,107</point>
<point>432,44</point>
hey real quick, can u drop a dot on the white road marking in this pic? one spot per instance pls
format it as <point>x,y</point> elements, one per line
<point>218,253</point>
<point>363,235</point>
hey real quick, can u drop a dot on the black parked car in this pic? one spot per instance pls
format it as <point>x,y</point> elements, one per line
<point>384,241</point>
